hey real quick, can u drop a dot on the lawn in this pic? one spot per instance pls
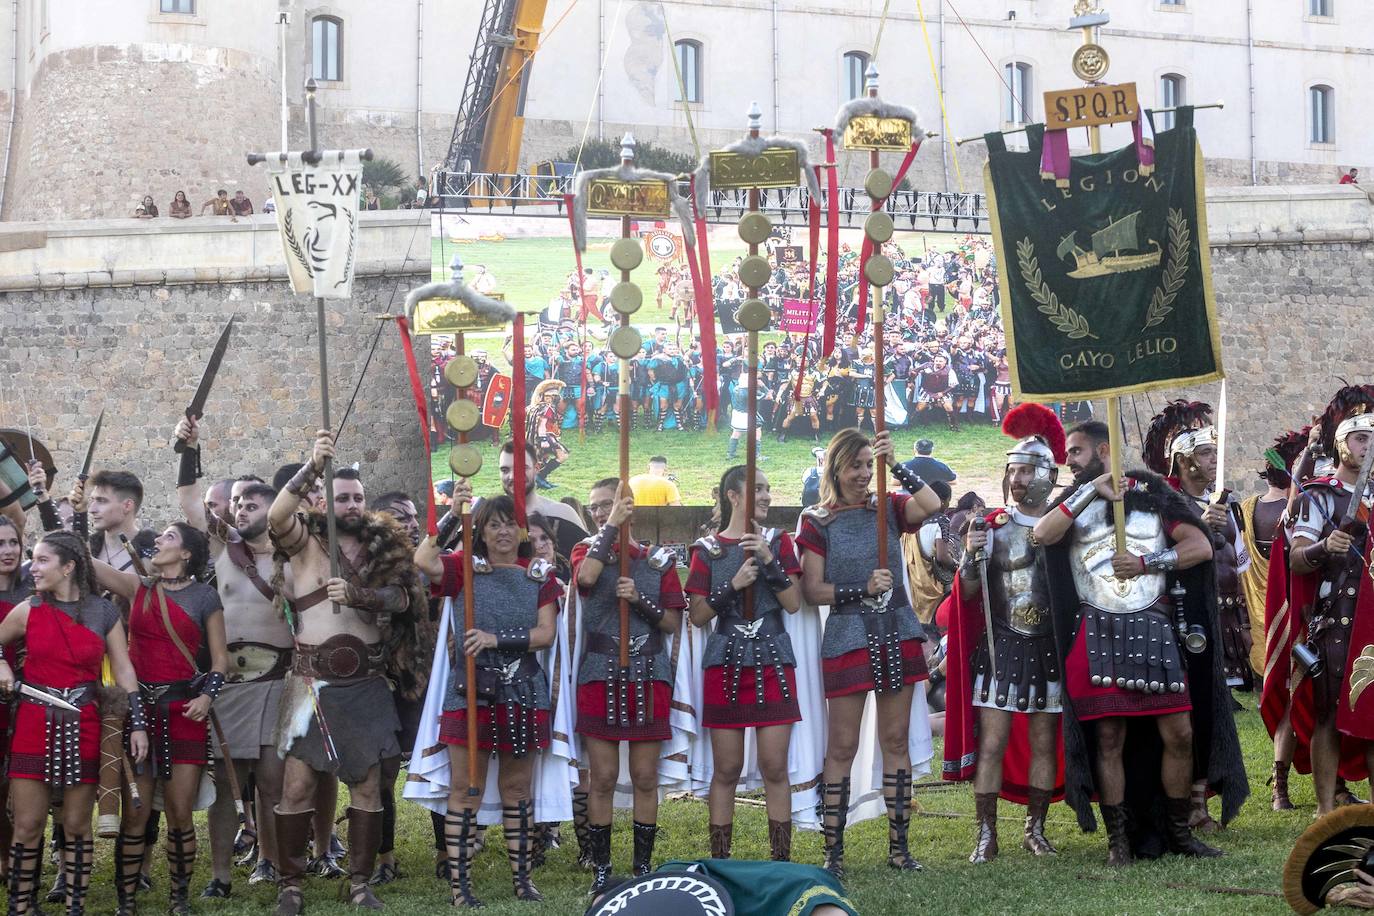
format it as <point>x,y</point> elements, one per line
<point>1075,882</point>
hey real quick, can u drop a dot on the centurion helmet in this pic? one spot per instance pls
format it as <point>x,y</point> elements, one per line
<point>1177,431</point>
<point>1350,411</point>
<point>1039,443</point>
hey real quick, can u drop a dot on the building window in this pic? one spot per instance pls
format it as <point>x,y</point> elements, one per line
<point>326,43</point>
<point>178,6</point>
<point>689,67</point>
<point>1321,104</point>
<point>855,66</point>
<point>1015,103</point>
<point>1320,7</point>
<point>1171,2</point>
<point>1172,88</point>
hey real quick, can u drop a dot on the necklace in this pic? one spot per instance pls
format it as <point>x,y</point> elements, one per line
<point>175,580</point>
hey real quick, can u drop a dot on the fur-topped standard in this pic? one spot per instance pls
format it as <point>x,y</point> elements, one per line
<point>390,561</point>
<point>1178,416</point>
<point>627,173</point>
<point>878,108</point>
<point>753,147</point>
<point>492,309</point>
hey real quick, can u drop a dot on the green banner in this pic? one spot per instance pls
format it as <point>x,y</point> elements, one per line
<point>1106,283</point>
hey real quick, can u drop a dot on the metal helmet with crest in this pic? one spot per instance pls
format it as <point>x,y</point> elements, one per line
<point>1350,411</point>
<point>1180,429</point>
<point>1040,444</point>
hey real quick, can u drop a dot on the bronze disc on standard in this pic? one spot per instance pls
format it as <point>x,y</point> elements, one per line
<point>461,371</point>
<point>878,227</point>
<point>878,270</point>
<point>753,315</point>
<point>754,271</point>
<point>878,184</point>
<point>626,342</point>
<point>462,415</point>
<point>626,254</point>
<point>626,298</point>
<point>754,228</point>
<point>465,459</point>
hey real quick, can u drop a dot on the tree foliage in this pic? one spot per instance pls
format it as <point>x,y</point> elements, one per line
<point>599,154</point>
<point>384,175</point>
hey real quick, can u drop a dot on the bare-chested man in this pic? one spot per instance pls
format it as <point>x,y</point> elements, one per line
<point>259,644</point>
<point>342,628</point>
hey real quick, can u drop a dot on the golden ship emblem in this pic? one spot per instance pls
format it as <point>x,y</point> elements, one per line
<point>1107,246</point>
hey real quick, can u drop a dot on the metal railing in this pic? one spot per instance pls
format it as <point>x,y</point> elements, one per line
<point>542,195</point>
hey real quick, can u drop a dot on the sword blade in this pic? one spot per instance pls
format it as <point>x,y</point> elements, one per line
<point>46,698</point>
<point>196,409</point>
<point>90,447</point>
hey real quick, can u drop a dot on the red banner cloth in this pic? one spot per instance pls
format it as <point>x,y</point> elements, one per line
<point>582,308</point>
<point>417,389</point>
<point>699,263</point>
<point>832,245</point>
<point>517,415</point>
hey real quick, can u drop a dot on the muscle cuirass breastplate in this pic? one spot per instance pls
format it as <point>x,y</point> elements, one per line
<point>1015,598</point>
<point>1091,555</point>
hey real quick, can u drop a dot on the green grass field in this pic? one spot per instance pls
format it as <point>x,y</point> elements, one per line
<point>1076,882</point>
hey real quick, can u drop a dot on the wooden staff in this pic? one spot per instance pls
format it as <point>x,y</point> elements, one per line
<point>879,405</point>
<point>469,611</point>
<point>624,409</point>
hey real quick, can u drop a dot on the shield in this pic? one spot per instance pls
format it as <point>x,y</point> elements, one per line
<point>497,403</point>
<point>1320,870</point>
<point>666,894</point>
<point>14,458</point>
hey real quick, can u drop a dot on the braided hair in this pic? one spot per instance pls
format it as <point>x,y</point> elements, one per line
<point>72,549</point>
<point>732,481</point>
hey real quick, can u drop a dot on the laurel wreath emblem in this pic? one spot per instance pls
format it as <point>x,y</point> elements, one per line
<point>290,232</point>
<point>1066,320</point>
<point>1175,270</point>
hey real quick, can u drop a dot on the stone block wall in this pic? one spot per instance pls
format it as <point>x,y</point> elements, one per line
<point>137,351</point>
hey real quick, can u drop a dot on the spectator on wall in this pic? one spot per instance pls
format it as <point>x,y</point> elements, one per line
<point>220,204</point>
<point>1351,177</point>
<point>269,206</point>
<point>181,207</point>
<point>149,207</point>
<point>370,200</point>
<point>241,205</point>
<point>141,213</point>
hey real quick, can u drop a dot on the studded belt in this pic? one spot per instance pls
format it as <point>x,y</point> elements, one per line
<point>339,659</point>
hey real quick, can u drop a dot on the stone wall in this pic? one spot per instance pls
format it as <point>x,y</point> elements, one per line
<point>137,351</point>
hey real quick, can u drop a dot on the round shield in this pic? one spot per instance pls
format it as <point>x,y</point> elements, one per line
<point>753,315</point>
<point>754,271</point>
<point>878,184</point>
<point>626,254</point>
<point>14,459</point>
<point>878,270</point>
<point>465,459</point>
<point>626,342</point>
<point>461,371</point>
<point>754,228</point>
<point>462,415</point>
<point>1320,870</point>
<point>878,227</point>
<point>675,893</point>
<point>626,298</point>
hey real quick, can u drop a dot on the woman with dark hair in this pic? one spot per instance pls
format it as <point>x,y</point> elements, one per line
<point>745,577</point>
<point>15,586</point>
<point>515,604</point>
<point>67,632</point>
<point>149,208</point>
<point>181,207</point>
<point>872,638</point>
<point>174,619</point>
<point>544,546</point>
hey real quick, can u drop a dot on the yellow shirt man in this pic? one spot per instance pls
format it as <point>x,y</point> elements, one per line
<point>655,488</point>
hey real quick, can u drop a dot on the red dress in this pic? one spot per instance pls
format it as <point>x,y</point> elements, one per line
<point>8,602</point>
<point>64,653</point>
<point>165,676</point>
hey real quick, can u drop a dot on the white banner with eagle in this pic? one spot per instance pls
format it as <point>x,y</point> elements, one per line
<point>317,218</point>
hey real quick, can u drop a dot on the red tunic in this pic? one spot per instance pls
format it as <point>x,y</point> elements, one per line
<point>61,653</point>
<point>11,655</point>
<point>172,738</point>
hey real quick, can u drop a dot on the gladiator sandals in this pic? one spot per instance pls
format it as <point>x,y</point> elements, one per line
<point>1199,818</point>
<point>25,862</point>
<point>364,839</point>
<point>519,823</point>
<point>1343,795</point>
<point>599,841</point>
<point>985,840</point>
<point>128,861</point>
<point>78,859</point>
<point>1178,837</point>
<point>293,837</point>
<point>181,861</point>
<point>1118,841</point>
<point>780,840</point>
<point>834,805</point>
<point>645,834</point>
<point>1279,780</point>
<point>584,847</point>
<point>460,828</point>
<point>897,797</point>
<point>1037,806</point>
<point>721,838</point>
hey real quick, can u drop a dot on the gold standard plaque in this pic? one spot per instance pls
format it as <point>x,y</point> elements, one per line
<point>613,197</point>
<point>1091,106</point>
<point>873,132</point>
<point>448,316</point>
<point>775,167</point>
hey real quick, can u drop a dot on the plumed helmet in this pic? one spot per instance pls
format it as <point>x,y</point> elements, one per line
<point>1351,410</point>
<point>1039,443</point>
<point>1181,428</point>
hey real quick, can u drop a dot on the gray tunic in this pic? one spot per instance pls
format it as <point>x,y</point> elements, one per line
<point>507,597</point>
<point>750,637</point>
<point>601,614</point>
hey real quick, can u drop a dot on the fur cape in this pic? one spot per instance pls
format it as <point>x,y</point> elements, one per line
<point>753,147</point>
<point>390,561</point>
<point>877,107</point>
<point>1216,746</point>
<point>627,173</point>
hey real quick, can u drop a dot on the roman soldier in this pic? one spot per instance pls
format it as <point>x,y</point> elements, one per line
<point>1122,619</point>
<point>1328,601</point>
<point>543,428</point>
<point>1010,674</point>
